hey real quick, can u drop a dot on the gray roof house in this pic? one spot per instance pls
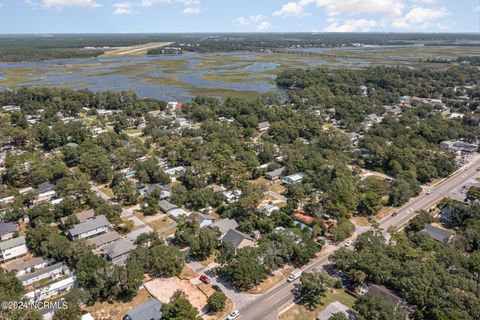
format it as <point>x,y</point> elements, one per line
<point>118,251</point>
<point>23,266</point>
<point>150,310</point>
<point>224,225</point>
<point>337,307</point>
<point>237,239</point>
<point>89,228</point>
<point>385,293</point>
<point>44,187</point>
<point>59,268</point>
<point>438,234</point>
<point>275,174</point>
<point>263,126</point>
<point>104,239</point>
<point>7,229</point>
<point>13,248</point>
<point>166,206</point>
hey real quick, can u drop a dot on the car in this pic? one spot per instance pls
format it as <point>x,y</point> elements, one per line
<point>233,315</point>
<point>348,243</point>
<point>478,169</point>
<point>217,288</point>
<point>205,279</point>
<point>429,191</point>
<point>394,214</point>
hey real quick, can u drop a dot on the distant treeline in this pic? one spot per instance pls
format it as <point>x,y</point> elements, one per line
<point>43,47</point>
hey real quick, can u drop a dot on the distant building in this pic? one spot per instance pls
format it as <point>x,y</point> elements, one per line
<point>171,50</point>
<point>13,248</point>
<point>456,146</point>
<point>7,230</point>
<point>11,108</point>
<point>294,178</point>
<point>393,110</point>
<point>263,126</point>
<point>268,209</point>
<point>150,310</point>
<point>275,174</point>
<point>438,234</point>
<point>385,293</point>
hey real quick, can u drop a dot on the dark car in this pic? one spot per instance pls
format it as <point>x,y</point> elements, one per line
<point>394,214</point>
<point>216,288</point>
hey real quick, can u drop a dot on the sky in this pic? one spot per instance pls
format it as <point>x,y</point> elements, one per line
<point>158,16</point>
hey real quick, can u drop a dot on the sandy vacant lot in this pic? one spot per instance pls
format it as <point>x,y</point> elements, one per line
<point>163,290</point>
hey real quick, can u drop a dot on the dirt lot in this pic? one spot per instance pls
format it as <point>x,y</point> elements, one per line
<point>278,275</point>
<point>115,311</point>
<point>163,290</point>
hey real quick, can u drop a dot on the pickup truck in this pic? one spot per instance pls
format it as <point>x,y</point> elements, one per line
<point>294,275</point>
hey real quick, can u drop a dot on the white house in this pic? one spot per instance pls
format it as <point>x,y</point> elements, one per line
<point>294,178</point>
<point>89,228</point>
<point>52,289</point>
<point>55,270</point>
<point>23,266</point>
<point>13,248</point>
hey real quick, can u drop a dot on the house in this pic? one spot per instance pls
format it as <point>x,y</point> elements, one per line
<point>89,228</point>
<point>173,105</point>
<point>337,307</point>
<point>103,112</point>
<point>371,119</point>
<point>224,225</point>
<point>177,213</point>
<point>438,234</point>
<point>162,191</point>
<point>393,110</point>
<point>166,206</point>
<point>203,220</point>
<point>294,178</point>
<point>232,196</point>
<point>127,173</point>
<point>23,266</point>
<point>263,126</point>
<point>118,251</point>
<point>237,239</point>
<point>175,171</point>
<point>11,108</point>
<point>104,239</point>
<point>268,209</point>
<point>13,248</point>
<point>81,216</point>
<point>7,230</point>
<point>45,191</point>
<point>384,293</point>
<point>275,174</point>
<point>150,310</point>
<point>461,146</point>
<point>54,271</point>
<point>52,289</point>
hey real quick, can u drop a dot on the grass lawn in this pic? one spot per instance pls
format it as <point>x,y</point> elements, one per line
<point>299,312</point>
<point>278,275</point>
<point>107,191</point>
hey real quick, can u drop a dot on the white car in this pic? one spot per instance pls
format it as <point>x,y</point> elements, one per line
<point>429,191</point>
<point>233,315</point>
<point>348,243</point>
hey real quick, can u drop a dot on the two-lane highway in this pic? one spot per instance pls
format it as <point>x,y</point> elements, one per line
<point>268,304</point>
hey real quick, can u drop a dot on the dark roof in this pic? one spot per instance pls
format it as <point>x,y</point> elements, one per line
<point>7,227</point>
<point>149,310</point>
<point>81,216</point>
<point>439,234</point>
<point>89,225</point>
<point>166,206</point>
<point>234,238</point>
<point>104,238</point>
<point>44,187</point>
<point>383,292</point>
<point>275,173</point>
<point>119,248</point>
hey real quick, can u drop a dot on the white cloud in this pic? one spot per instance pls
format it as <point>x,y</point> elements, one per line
<point>419,17</point>
<point>242,21</point>
<point>123,8</point>
<point>292,9</point>
<point>149,3</point>
<point>351,25</point>
<point>192,10</point>
<point>88,4</point>
<point>477,9</point>
<point>352,7</point>
<point>264,26</point>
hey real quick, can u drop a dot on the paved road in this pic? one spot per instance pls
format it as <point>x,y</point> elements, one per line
<point>272,301</point>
